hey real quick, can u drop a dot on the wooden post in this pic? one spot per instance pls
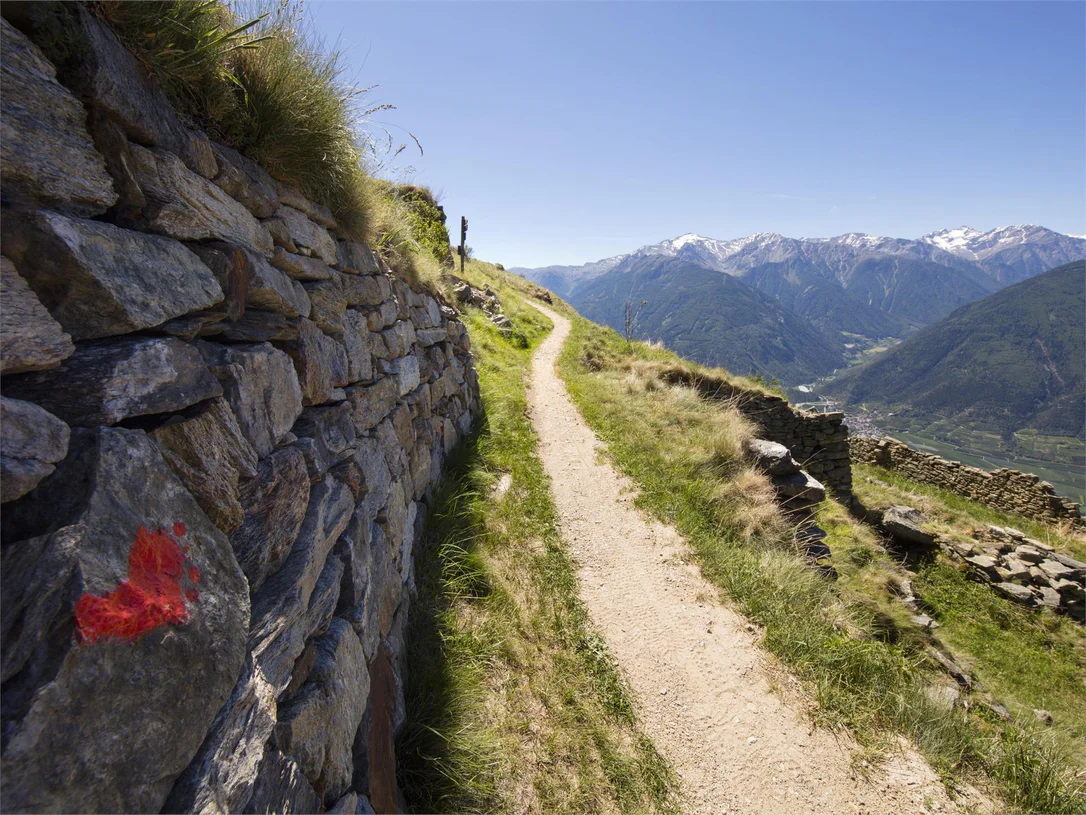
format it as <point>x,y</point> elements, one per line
<point>463,238</point>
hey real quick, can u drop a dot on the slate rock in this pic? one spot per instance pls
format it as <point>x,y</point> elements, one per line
<point>32,441</point>
<point>317,727</point>
<point>799,486</point>
<point>30,339</point>
<point>208,452</point>
<point>332,431</point>
<point>356,342</point>
<point>301,267</point>
<point>906,524</point>
<point>771,458</point>
<point>110,81</point>
<point>406,370</point>
<point>98,280</point>
<point>356,258</point>
<point>183,205</point>
<point>312,210</point>
<point>305,234</point>
<point>984,566</point>
<point>258,284</point>
<point>1013,591</point>
<point>1055,570</point>
<point>46,154</point>
<point>281,787</point>
<point>253,326</point>
<point>92,736</point>
<point>320,362</point>
<point>102,384</point>
<point>246,181</point>
<point>260,384</point>
<point>372,403</point>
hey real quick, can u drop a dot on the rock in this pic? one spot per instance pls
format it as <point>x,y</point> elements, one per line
<point>281,787</point>
<point>406,370</point>
<point>274,505</point>
<point>356,258</point>
<point>1029,554</point>
<point>1048,597</point>
<point>372,403</point>
<point>98,280</point>
<point>798,487</point>
<point>332,432</point>
<point>771,458</point>
<point>317,726</point>
<point>431,336</point>
<point>923,621</point>
<point>46,154</point>
<point>245,181</point>
<point>261,285</point>
<point>1013,591</point>
<point>111,82</point>
<point>301,267</point>
<point>906,524</point>
<point>260,384</point>
<point>380,749</point>
<point>347,805</point>
<point>292,198</point>
<point>333,296</point>
<point>1017,570</point>
<point>984,566</point>
<point>30,339</point>
<point>1076,566</point>
<point>254,327</point>
<point>105,383</point>
<point>1055,570</point>
<point>32,441</point>
<point>946,697</point>
<point>951,667</point>
<point>1043,716</point>
<point>320,362</point>
<point>307,235</point>
<point>88,715</point>
<point>185,206</point>
<point>209,453</point>
<point>353,548</point>
<point>356,341</point>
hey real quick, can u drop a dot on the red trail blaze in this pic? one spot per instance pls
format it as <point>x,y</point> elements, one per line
<point>151,596</point>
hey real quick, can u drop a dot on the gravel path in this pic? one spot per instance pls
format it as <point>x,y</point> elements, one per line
<point>704,690</point>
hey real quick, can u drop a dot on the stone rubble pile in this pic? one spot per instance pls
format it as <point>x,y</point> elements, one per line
<point>221,423</point>
<point>484,299</point>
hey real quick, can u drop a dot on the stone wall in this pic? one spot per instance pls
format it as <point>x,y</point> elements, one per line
<point>819,441</point>
<point>1005,490</point>
<point>221,423</point>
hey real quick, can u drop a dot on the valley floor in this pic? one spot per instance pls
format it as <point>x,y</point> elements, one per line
<point>730,719</point>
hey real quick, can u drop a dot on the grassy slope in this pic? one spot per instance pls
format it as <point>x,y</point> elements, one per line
<point>513,701</point>
<point>845,639</point>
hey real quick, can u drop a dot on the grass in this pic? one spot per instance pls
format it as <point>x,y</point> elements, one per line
<point>849,640</point>
<point>514,703</point>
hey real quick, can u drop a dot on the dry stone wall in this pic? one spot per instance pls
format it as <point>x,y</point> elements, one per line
<point>221,423</point>
<point>1005,490</point>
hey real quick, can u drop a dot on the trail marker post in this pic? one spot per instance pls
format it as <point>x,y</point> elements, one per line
<point>463,239</point>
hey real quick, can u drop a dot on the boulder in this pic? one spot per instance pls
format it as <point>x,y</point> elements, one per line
<point>112,83</point>
<point>301,267</point>
<point>905,524</point>
<point>98,280</point>
<point>208,452</point>
<point>32,441</point>
<point>320,362</point>
<point>274,505</point>
<point>282,787</point>
<point>46,154</point>
<point>183,205</point>
<point>307,235</point>
<point>260,384</point>
<point>245,181</point>
<point>104,383</point>
<point>30,339</point>
<point>769,457</point>
<point>249,277</point>
<point>88,712</point>
<point>317,726</point>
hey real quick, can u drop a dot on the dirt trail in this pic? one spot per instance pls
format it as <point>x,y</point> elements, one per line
<point>702,685</point>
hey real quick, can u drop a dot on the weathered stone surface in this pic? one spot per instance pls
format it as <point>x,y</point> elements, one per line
<point>32,441</point>
<point>1029,554</point>
<point>105,383</point>
<point>258,284</point>
<point>320,361</point>
<point>301,267</point>
<point>89,720</point>
<point>1013,591</point>
<point>274,506</point>
<point>254,327</point>
<point>407,374</point>
<point>46,153</point>
<point>245,181</point>
<point>185,206</point>
<point>281,787</point>
<point>314,211</point>
<point>771,458</point>
<point>907,524</point>
<point>985,565</point>
<point>372,403</point>
<point>210,455</point>
<point>356,258</point>
<point>30,339</point>
<point>317,726</point>
<point>383,316</point>
<point>431,336</point>
<point>356,341</point>
<point>307,235</point>
<point>1055,570</point>
<point>799,486</point>
<point>98,280</point>
<point>111,81</point>
<point>332,432</point>
<point>260,384</point>
<point>381,751</point>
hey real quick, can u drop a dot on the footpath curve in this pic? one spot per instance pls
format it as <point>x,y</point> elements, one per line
<point>703,688</point>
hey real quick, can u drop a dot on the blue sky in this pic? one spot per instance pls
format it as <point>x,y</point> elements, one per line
<point>568,132</point>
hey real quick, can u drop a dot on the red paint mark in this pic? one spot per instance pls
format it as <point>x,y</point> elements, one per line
<point>194,574</point>
<point>179,529</point>
<point>150,597</point>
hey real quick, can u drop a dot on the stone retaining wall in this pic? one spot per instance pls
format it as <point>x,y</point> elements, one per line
<point>221,423</point>
<point>1005,490</point>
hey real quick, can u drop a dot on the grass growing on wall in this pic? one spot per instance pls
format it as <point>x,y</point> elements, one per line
<point>848,640</point>
<point>514,704</point>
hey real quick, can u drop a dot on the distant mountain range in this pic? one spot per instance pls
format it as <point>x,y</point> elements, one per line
<point>1013,361</point>
<point>854,289</point>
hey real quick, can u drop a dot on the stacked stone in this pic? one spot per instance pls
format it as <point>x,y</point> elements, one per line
<point>215,399</point>
<point>1023,570</point>
<point>483,299</point>
<point>1003,489</point>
